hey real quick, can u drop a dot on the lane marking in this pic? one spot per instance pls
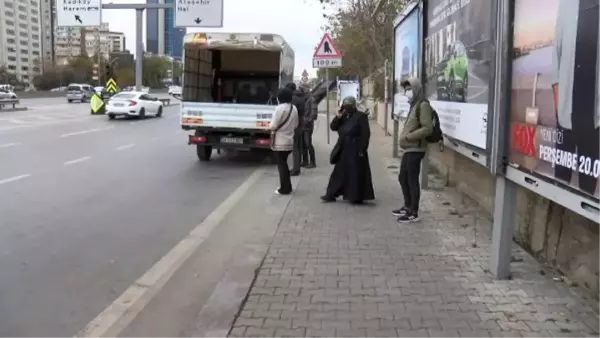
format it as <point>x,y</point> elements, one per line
<point>15,178</point>
<point>117,316</point>
<point>6,145</point>
<point>81,132</point>
<point>127,146</point>
<point>78,160</point>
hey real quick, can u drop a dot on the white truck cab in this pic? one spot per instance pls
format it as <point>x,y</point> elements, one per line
<point>229,88</point>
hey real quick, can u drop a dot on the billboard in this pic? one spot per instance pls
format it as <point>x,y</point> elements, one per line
<point>406,54</point>
<point>458,55</point>
<point>554,113</point>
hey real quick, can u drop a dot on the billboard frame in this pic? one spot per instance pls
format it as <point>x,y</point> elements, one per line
<point>475,154</point>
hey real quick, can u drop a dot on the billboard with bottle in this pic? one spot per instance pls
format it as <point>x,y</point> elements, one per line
<point>555,92</point>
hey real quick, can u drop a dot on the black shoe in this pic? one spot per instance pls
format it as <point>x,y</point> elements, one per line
<point>400,212</point>
<point>408,218</point>
<point>304,165</point>
<point>311,166</point>
<point>295,173</point>
<point>327,198</point>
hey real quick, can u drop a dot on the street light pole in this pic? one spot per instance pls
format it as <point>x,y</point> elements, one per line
<point>139,48</point>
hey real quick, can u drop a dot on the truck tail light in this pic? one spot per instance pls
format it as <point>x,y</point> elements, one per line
<point>262,142</point>
<point>197,139</point>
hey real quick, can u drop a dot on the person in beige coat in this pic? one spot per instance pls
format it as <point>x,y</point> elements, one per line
<point>282,126</point>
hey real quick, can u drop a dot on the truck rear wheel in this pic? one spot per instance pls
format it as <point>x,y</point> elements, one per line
<point>204,152</point>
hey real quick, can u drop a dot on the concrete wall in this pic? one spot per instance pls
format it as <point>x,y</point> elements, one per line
<point>551,233</point>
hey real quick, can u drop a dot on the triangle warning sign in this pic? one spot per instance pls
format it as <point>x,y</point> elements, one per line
<point>326,48</point>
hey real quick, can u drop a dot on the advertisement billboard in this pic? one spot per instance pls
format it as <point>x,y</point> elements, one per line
<point>406,54</point>
<point>458,55</point>
<point>554,114</point>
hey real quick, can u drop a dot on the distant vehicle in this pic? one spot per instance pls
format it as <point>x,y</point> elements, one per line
<point>6,94</point>
<point>138,104</point>
<point>79,92</point>
<point>174,90</point>
<point>453,74</point>
<point>132,89</point>
<point>59,89</point>
<point>7,87</point>
<point>232,89</point>
<point>98,89</point>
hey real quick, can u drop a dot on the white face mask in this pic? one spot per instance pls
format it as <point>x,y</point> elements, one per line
<point>408,94</point>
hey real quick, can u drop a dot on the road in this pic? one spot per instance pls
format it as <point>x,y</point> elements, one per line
<point>88,205</point>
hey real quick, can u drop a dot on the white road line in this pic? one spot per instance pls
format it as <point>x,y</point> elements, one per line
<point>81,132</point>
<point>77,160</point>
<point>6,145</point>
<point>115,318</point>
<point>127,146</point>
<point>15,178</point>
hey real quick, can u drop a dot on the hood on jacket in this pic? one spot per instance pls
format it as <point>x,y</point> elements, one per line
<point>417,88</point>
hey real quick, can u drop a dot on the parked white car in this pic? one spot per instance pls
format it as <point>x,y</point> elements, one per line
<point>174,90</point>
<point>137,104</point>
<point>6,94</point>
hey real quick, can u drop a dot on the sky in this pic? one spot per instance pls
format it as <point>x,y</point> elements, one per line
<point>298,21</point>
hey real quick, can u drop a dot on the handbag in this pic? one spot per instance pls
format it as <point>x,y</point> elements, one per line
<point>273,132</point>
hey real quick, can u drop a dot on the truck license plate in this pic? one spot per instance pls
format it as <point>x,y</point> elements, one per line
<point>234,140</point>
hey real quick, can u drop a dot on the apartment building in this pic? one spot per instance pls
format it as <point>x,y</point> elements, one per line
<point>20,38</point>
<point>70,42</point>
<point>48,20</point>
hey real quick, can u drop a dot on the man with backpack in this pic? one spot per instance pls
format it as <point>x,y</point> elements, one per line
<point>420,128</point>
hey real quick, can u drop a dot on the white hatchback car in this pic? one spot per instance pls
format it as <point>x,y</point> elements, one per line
<point>137,104</point>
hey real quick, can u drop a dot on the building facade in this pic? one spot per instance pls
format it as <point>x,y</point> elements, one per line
<point>162,38</point>
<point>48,19</point>
<point>70,42</point>
<point>21,38</point>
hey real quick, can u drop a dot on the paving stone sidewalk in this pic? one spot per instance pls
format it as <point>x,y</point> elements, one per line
<point>353,271</point>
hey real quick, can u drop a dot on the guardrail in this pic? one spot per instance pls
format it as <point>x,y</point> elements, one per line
<point>9,102</point>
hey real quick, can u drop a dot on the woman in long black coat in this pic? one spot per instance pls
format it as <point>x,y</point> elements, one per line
<point>351,176</point>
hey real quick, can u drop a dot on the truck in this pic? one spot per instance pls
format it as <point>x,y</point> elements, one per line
<point>229,87</point>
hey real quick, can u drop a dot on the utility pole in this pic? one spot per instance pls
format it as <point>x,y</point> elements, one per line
<point>139,30</point>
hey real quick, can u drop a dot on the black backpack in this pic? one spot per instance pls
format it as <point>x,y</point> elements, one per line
<point>436,134</point>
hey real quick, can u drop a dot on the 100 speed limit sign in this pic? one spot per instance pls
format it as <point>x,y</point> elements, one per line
<point>331,62</point>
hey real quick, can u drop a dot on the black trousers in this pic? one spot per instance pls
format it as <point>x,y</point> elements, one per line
<point>410,167</point>
<point>308,151</point>
<point>297,152</point>
<point>285,182</point>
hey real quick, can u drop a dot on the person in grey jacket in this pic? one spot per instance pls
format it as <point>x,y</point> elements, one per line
<point>418,125</point>
<point>283,126</point>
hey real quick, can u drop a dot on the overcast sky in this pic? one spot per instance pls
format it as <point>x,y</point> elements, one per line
<point>298,21</point>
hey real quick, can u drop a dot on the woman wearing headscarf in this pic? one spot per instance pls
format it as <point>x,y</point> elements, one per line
<point>351,176</point>
<point>282,126</point>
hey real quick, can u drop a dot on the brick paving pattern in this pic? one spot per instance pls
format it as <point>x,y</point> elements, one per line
<point>353,271</point>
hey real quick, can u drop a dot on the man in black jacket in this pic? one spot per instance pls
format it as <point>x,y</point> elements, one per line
<point>299,100</point>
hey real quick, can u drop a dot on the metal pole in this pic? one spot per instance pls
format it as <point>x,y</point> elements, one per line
<point>139,47</point>
<point>327,99</point>
<point>386,97</point>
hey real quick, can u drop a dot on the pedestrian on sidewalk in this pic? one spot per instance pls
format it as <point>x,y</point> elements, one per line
<point>417,127</point>
<point>351,175</point>
<point>299,101</point>
<point>283,126</point>
<point>312,113</point>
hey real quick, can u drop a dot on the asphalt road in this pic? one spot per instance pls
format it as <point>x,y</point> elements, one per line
<point>88,205</point>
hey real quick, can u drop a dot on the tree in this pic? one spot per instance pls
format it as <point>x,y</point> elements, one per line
<point>7,77</point>
<point>155,69</point>
<point>82,67</point>
<point>125,77</point>
<point>363,31</point>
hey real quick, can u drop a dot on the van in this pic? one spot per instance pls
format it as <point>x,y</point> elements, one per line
<point>79,92</point>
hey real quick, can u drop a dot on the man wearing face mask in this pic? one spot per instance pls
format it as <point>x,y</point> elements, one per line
<point>418,125</point>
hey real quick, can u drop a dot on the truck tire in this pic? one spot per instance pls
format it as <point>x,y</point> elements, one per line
<point>204,152</point>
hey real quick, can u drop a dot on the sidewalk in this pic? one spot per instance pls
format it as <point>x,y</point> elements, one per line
<point>342,270</point>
